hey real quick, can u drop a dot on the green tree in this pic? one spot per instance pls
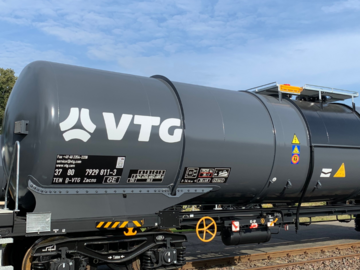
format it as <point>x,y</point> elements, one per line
<point>7,81</point>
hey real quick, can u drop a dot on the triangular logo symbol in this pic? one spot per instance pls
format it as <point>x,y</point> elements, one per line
<point>341,171</point>
<point>295,140</point>
<point>296,150</point>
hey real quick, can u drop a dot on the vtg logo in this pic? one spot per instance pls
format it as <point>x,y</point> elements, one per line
<point>71,122</point>
<point>117,132</point>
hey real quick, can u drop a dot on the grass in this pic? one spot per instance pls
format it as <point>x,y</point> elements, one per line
<point>179,231</point>
<point>315,219</point>
<point>325,218</point>
<point>313,204</point>
<point>189,208</point>
<point>268,205</point>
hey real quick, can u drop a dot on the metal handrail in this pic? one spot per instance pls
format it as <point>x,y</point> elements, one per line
<point>331,90</point>
<point>17,146</point>
<point>262,86</point>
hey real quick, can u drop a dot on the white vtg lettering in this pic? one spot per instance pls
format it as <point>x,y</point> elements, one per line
<point>117,132</point>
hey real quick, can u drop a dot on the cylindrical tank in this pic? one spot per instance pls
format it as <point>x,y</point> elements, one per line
<point>245,236</point>
<point>83,128</point>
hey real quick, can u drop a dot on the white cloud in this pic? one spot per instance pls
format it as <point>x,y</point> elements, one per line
<point>226,44</point>
<point>341,6</point>
<point>72,34</point>
<point>17,55</point>
<point>330,60</point>
<point>183,22</point>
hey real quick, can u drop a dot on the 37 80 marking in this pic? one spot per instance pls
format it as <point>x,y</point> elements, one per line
<point>58,171</point>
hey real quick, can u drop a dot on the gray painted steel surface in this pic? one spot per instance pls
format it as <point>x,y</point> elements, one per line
<point>228,129</point>
<point>211,128</point>
<point>287,122</point>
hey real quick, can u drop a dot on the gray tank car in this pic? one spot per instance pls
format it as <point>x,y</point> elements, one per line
<point>107,148</point>
<point>91,130</point>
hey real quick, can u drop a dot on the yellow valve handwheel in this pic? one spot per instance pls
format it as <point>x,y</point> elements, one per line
<point>203,227</point>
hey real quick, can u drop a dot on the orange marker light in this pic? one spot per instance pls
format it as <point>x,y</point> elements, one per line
<point>287,88</point>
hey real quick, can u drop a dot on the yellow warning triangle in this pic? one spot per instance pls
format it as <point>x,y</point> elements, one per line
<point>296,150</point>
<point>341,171</point>
<point>295,140</point>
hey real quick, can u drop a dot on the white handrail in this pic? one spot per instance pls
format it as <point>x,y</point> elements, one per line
<point>331,90</point>
<point>17,146</point>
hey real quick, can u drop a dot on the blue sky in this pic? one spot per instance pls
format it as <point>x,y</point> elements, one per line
<point>231,44</point>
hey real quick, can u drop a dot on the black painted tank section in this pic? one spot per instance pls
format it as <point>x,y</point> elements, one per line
<point>335,135</point>
<point>334,124</point>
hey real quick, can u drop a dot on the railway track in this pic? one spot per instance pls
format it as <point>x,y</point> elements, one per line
<point>233,261</point>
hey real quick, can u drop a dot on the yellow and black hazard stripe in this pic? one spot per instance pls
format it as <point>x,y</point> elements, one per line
<point>119,224</point>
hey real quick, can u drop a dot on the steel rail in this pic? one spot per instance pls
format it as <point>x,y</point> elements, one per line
<point>284,265</point>
<point>272,255</point>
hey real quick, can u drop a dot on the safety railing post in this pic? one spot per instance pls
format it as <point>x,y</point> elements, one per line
<point>17,153</point>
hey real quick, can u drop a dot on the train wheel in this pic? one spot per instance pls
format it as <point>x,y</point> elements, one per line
<point>27,259</point>
<point>14,253</point>
<point>26,263</point>
<point>136,264</point>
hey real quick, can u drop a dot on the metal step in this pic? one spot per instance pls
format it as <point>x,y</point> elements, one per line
<point>6,218</point>
<point>2,242</point>
<point>6,211</point>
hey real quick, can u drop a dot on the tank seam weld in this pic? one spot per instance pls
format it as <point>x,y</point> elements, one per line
<point>275,142</point>
<point>172,86</point>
